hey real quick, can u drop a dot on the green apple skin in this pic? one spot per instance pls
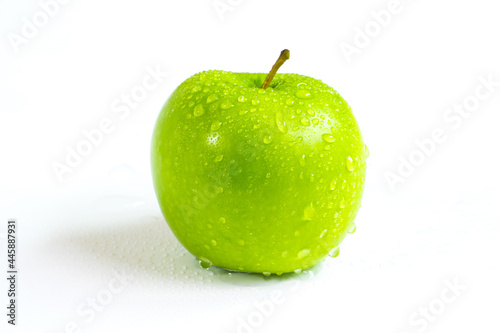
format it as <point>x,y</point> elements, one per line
<point>258,180</point>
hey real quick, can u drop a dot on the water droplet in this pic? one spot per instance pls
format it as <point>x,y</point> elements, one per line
<point>303,94</point>
<point>289,101</point>
<point>214,242</point>
<point>255,101</point>
<point>266,274</point>
<point>309,212</point>
<point>335,252</point>
<point>323,233</point>
<point>344,183</point>
<point>304,253</point>
<point>226,105</point>
<point>302,160</point>
<point>212,98</point>
<point>280,122</point>
<point>268,175</point>
<point>332,185</point>
<point>311,112</point>
<point>349,163</point>
<point>315,121</point>
<point>352,228</point>
<point>342,203</point>
<point>267,139</point>
<point>199,110</point>
<point>222,220</point>
<point>241,99</point>
<point>328,137</point>
<point>196,89</point>
<point>205,263</point>
<point>219,158</point>
<point>215,125</point>
<point>305,122</point>
<point>298,271</point>
<point>366,152</point>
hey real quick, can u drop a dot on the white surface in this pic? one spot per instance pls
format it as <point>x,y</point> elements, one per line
<point>441,224</point>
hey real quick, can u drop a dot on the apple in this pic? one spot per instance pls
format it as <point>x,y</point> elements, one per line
<point>258,172</point>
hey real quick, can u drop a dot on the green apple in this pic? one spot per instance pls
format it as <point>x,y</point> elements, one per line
<point>258,172</point>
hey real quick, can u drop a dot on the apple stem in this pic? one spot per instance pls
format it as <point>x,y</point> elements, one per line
<point>284,56</point>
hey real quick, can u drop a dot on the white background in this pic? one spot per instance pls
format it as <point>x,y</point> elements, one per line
<point>441,223</point>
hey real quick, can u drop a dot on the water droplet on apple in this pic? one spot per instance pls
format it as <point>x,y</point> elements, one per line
<point>205,263</point>
<point>241,99</point>
<point>304,253</point>
<point>305,122</point>
<point>280,122</point>
<point>302,160</point>
<point>335,252</point>
<point>266,274</point>
<point>199,110</point>
<point>332,185</point>
<point>196,89</point>
<point>289,101</point>
<point>315,121</point>
<point>215,125</point>
<point>352,228</point>
<point>267,139</point>
<point>219,158</point>
<point>349,163</point>
<point>309,212</point>
<point>323,233</point>
<point>342,203</point>
<point>214,242</point>
<point>298,271</point>
<point>212,98</point>
<point>226,105</point>
<point>328,137</point>
<point>222,220</point>
<point>255,101</point>
<point>268,175</point>
<point>303,94</point>
<point>366,152</point>
<point>311,112</point>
